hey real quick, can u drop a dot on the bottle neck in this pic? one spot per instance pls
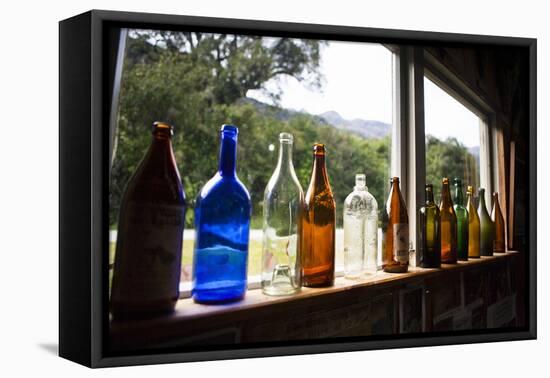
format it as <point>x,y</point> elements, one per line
<point>284,164</point>
<point>429,197</point>
<point>445,194</point>
<point>319,167</point>
<point>458,196</point>
<point>228,155</point>
<point>482,205</point>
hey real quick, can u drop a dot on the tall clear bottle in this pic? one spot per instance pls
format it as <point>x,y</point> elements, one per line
<point>448,225</point>
<point>499,244</point>
<point>429,237</point>
<point>222,223</point>
<point>147,267</point>
<point>396,232</point>
<point>461,221</point>
<point>360,231</point>
<point>283,201</point>
<point>487,227</point>
<point>473,226</point>
<point>318,226</point>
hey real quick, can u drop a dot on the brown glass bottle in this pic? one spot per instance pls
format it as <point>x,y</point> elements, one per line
<point>448,225</point>
<point>147,265</point>
<point>396,253</point>
<point>499,244</point>
<point>473,226</point>
<point>318,226</point>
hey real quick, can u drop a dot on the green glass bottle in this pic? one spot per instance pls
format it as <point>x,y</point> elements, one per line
<point>448,225</point>
<point>461,221</point>
<point>487,235</point>
<point>429,238</point>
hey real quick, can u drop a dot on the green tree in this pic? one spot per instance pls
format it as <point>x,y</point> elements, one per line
<point>450,159</point>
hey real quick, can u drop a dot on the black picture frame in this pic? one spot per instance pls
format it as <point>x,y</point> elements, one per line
<point>86,66</point>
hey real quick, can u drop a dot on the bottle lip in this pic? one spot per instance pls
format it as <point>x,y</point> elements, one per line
<point>231,130</point>
<point>360,180</point>
<point>394,179</point>
<point>319,149</point>
<point>457,180</point>
<point>286,137</point>
<point>429,187</point>
<point>445,180</point>
<point>162,127</point>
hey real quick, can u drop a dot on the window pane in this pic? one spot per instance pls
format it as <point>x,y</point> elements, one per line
<point>452,138</point>
<point>329,92</point>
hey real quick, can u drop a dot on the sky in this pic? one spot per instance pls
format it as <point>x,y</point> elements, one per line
<point>358,84</point>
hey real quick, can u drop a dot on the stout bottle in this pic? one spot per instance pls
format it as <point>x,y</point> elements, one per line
<point>429,238</point>
<point>487,227</point>
<point>461,221</point>
<point>150,230</point>
<point>283,201</point>
<point>396,253</point>
<point>448,225</point>
<point>499,244</point>
<point>473,226</point>
<point>318,226</point>
<point>222,224</point>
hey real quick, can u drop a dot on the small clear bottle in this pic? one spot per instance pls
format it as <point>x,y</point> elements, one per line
<point>283,201</point>
<point>360,231</point>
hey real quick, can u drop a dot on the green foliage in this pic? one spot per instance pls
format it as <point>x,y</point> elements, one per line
<point>450,159</point>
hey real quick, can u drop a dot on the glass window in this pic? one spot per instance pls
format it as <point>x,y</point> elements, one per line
<point>337,93</point>
<point>452,138</point>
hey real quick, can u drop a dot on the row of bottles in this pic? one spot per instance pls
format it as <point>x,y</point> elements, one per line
<point>456,231</point>
<point>299,231</point>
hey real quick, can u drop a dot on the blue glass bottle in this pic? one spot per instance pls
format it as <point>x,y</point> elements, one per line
<point>222,223</point>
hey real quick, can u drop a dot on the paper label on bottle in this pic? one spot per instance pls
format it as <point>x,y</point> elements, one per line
<point>148,256</point>
<point>401,242</point>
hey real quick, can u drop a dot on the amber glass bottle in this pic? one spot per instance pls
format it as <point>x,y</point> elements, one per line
<point>461,221</point>
<point>396,253</point>
<point>473,226</point>
<point>487,227</point>
<point>448,225</point>
<point>147,266</point>
<point>499,245</point>
<point>318,226</point>
<point>429,239</point>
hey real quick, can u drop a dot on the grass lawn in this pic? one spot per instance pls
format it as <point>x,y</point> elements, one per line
<point>254,258</point>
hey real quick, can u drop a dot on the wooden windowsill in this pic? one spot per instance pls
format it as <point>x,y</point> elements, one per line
<point>132,334</point>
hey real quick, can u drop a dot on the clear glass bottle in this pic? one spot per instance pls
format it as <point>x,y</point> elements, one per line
<point>222,223</point>
<point>283,201</point>
<point>147,267</point>
<point>318,226</point>
<point>360,231</point>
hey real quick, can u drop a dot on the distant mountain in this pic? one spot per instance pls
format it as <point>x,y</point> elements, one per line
<point>363,127</point>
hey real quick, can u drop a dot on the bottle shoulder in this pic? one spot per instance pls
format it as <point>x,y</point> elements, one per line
<point>220,187</point>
